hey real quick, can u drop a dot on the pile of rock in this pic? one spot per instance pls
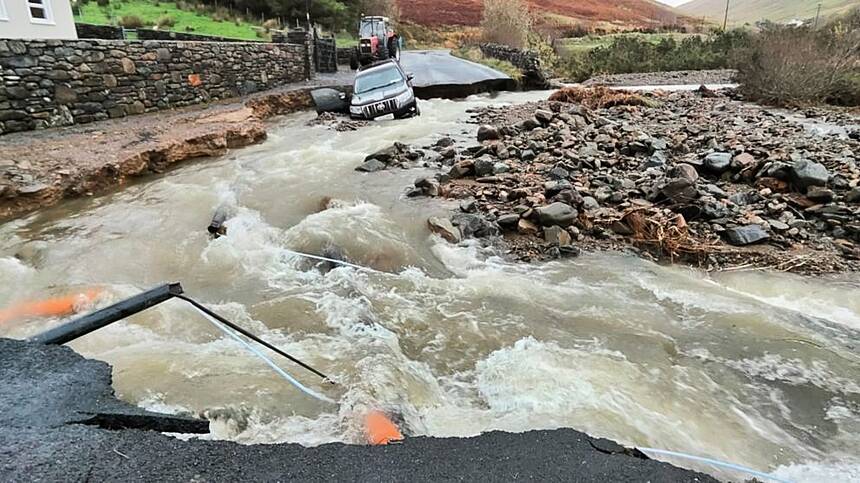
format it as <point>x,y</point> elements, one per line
<point>397,155</point>
<point>722,172</point>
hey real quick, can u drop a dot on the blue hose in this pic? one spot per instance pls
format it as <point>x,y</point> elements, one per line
<point>714,462</point>
<point>326,259</point>
<point>268,361</point>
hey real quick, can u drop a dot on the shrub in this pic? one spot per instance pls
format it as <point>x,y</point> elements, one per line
<point>271,24</point>
<point>576,31</point>
<point>630,54</point>
<point>131,22</point>
<point>165,22</point>
<point>506,22</point>
<point>786,66</point>
<point>103,3</point>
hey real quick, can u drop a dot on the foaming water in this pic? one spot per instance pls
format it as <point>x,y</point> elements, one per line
<point>753,368</point>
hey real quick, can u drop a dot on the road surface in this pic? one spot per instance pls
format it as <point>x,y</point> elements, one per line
<point>46,392</point>
<point>440,74</point>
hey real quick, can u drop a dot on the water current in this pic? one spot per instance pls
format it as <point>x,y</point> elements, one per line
<point>760,369</point>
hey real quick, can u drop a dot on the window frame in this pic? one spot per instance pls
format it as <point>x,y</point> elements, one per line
<point>4,14</point>
<point>45,5</point>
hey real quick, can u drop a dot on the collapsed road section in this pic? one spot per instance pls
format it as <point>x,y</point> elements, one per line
<point>60,420</point>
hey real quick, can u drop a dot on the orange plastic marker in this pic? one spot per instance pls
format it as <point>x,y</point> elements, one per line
<point>55,307</point>
<point>380,429</point>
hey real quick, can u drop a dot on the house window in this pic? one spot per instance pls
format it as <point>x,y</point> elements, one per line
<point>40,11</point>
<point>3,14</point>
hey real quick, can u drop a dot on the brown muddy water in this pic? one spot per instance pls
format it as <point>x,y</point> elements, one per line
<point>758,369</point>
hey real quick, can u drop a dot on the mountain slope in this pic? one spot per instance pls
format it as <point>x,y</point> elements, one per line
<point>749,11</point>
<point>468,12</point>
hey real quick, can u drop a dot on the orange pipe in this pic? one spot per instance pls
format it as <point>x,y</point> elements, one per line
<point>56,307</point>
<point>381,430</point>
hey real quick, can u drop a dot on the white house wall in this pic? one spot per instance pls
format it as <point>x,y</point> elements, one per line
<point>19,26</point>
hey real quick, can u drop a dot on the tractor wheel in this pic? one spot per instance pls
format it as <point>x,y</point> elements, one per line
<point>393,48</point>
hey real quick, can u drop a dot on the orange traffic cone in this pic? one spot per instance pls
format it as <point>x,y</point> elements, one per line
<point>56,307</point>
<point>380,429</point>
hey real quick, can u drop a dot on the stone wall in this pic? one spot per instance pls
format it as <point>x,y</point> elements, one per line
<point>527,61</point>
<point>148,34</point>
<point>302,37</point>
<point>104,32</point>
<point>57,83</point>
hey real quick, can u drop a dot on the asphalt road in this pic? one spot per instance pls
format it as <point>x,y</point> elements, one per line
<point>440,74</point>
<point>55,407</point>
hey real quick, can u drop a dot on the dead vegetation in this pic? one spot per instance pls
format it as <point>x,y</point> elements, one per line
<point>667,234</point>
<point>506,22</point>
<point>599,97</point>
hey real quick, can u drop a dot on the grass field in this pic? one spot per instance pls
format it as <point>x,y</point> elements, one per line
<point>568,47</point>
<point>149,11</point>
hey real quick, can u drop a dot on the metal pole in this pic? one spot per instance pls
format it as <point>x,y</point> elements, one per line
<point>817,15</point>
<point>726,19</point>
<point>108,315</point>
<point>251,336</point>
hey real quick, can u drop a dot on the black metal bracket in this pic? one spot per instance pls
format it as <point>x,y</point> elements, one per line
<point>108,315</point>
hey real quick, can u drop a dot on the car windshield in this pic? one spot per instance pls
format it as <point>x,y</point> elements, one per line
<point>377,79</point>
<point>374,28</point>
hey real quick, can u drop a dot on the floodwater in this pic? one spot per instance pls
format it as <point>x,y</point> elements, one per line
<point>757,369</point>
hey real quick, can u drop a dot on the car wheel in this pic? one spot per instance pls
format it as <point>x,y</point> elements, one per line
<point>413,111</point>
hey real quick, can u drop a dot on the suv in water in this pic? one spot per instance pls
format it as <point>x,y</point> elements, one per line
<point>383,88</point>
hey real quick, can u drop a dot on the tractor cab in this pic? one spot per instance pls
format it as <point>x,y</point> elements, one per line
<point>377,41</point>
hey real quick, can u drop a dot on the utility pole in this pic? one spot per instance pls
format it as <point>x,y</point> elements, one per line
<point>817,15</point>
<point>726,20</point>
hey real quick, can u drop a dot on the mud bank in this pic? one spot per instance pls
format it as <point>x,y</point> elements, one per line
<point>47,432</point>
<point>39,169</point>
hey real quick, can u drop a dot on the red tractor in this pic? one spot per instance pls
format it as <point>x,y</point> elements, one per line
<point>377,41</point>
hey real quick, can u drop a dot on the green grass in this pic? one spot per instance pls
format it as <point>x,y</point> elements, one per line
<point>150,10</point>
<point>568,47</point>
<point>345,39</point>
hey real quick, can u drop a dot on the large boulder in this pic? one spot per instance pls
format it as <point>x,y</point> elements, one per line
<point>685,171</point>
<point>488,133</point>
<point>371,166</point>
<point>718,162</point>
<point>746,235</point>
<point>806,173</point>
<point>543,116</point>
<point>389,154</point>
<point>558,213</point>
<point>476,226</point>
<point>484,166</point>
<point>679,190</point>
<point>444,228</point>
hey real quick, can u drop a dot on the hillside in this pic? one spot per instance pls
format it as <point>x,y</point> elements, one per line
<point>195,20</point>
<point>468,12</point>
<point>750,11</point>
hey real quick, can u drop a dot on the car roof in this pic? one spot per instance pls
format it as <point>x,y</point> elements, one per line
<point>379,65</point>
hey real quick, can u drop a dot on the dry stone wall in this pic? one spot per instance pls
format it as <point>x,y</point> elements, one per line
<point>63,82</point>
<point>527,61</point>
